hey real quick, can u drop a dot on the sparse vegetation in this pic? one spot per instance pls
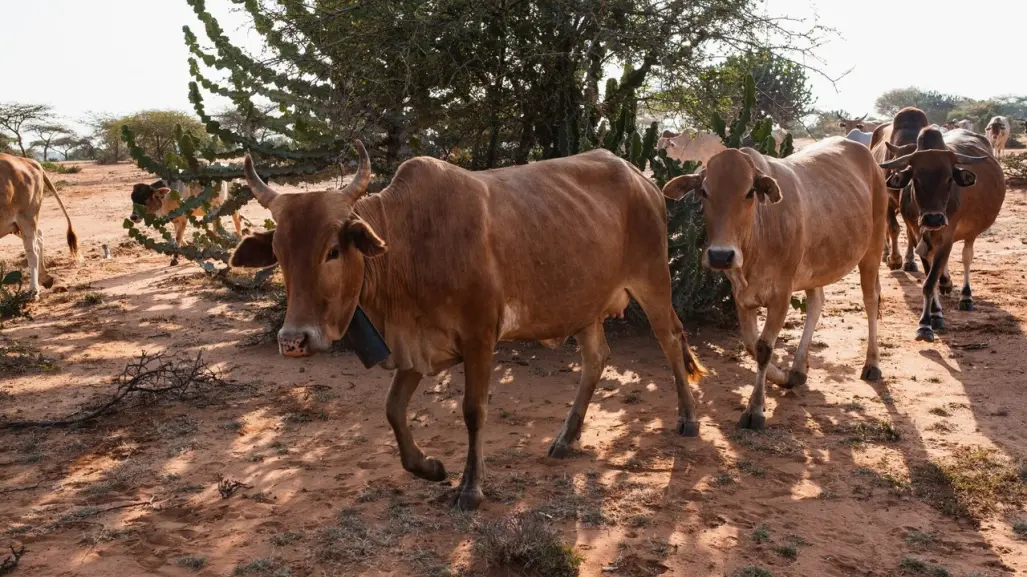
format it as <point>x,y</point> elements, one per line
<point>191,562</point>
<point>753,571</point>
<point>263,566</point>
<point>525,542</point>
<point>90,300</point>
<point>1020,528</point>
<point>18,359</point>
<point>13,299</point>
<point>787,551</point>
<point>761,534</point>
<point>350,540</point>
<point>972,483</point>
<point>918,567</point>
<point>60,168</point>
<point>921,539</point>
<point>873,431</point>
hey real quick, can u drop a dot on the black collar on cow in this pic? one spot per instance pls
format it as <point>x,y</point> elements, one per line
<point>365,340</point>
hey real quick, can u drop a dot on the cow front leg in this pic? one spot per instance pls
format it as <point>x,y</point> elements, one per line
<point>966,300</point>
<point>800,364</point>
<point>909,263</point>
<point>237,223</point>
<point>594,353</point>
<point>747,320</point>
<point>894,260</point>
<point>777,310</point>
<point>477,371</point>
<point>404,383</point>
<point>180,223</point>
<point>931,319</point>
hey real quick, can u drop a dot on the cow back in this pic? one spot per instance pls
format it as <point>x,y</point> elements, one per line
<point>978,205</point>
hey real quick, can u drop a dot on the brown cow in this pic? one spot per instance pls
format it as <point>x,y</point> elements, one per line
<point>23,183</point>
<point>447,262</point>
<point>777,226</point>
<point>902,131</point>
<point>861,124</point>
<point>157,200</point>
<point>947,204</point>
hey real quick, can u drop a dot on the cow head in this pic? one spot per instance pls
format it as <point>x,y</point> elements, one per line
<point>931,171</point>
<point>852,123</point>
<point>730,187</point>
<point>148,196</point>
<point>321,245</point>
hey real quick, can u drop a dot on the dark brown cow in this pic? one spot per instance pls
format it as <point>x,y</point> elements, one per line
<point>902,131</point>
<point>777,226</point>
<point>947,204</point>
<point>447,262</point>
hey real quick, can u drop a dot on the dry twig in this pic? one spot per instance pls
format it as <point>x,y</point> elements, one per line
<point>227,487</point>
<point>11,561</point>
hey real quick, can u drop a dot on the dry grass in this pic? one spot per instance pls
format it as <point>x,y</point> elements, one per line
<point>526,543</point>
<point>972,483</point>
<point>350,540</point>
<point>914,566</point>
<point>18,359</point>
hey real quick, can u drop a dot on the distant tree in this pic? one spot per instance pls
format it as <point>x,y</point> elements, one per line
<point>16,117</point>
<point>106,139</point>
<point>783,91</point>
<point>5,143</point>
<point>936,105</point>
<point>155,130</point>
<point>67,143</point>
<point>48,132</point>
<point>250,127</point>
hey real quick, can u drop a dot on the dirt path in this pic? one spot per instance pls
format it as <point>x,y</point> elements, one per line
<point>849,479</point>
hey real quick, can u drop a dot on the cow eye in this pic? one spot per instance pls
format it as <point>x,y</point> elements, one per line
<point>332,254</point>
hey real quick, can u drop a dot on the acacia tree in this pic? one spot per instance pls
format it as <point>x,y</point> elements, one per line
<point>936,105</point>
<point>48,133</point>
<point>16,117</point>
<point>67,143</point>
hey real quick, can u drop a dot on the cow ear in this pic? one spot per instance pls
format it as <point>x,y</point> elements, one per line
<point>161,193</point>
<point>899,180</point>
<point>683,185</point>
<point>364,238</point>
<point>964,177</point>
<point>254,251</point>
<point>767,189</point>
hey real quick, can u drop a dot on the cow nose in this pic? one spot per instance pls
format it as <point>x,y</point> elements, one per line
<point>933,221</point>
<point>721,258</point>
<point>293,343</point>
<point>134,217</point>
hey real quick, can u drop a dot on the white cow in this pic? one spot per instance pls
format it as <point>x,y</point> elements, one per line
<point>861,137</point>
<point>997,132</point>
<point>690,145</point>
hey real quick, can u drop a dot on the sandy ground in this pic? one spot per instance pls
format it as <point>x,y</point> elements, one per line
<point>839,484</point>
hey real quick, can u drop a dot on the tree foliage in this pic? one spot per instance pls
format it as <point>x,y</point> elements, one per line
<point>155,130</point>
<point>937,105</point>
<point>783,91</point>
<point>48,132</point>
<point>16,117</point>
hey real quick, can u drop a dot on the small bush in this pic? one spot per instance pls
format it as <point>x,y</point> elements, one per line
<point>1020,528</point>
<point>526,542</point>
<point>13,299</point>
<point>761,534</point>
<point>973,483</point>
<point>191,562</point>
<point>60,168</point>
<point>753,571</point>
<point>918,567</point>
<point>1015,167</point>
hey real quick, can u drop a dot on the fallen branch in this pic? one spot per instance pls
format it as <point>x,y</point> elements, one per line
<point>228,487</point>
<point>150,377</point>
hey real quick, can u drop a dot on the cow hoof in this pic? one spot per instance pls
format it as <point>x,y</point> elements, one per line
<point>795,379</point>
<point>560,451</point>
<point>752,422</point>
<point>894,264</point>
<point>871,373</point>
<point>431,469</point>
<point>469,500</point>
<point>945,289</point>
<point>174,261</point>
<point>938,323</point>
<point>925,333</point>
<point>687,428</point>
<point>966,305</point>
<point>910,266</point>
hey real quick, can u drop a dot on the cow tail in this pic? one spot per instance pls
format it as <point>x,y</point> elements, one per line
<point>695,369</point>
<point>72,238</point>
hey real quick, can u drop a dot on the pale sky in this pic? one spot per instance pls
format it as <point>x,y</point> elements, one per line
<point>120,56</point>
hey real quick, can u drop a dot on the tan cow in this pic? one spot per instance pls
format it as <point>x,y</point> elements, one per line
<point>997,132</point>
<point>447,262</point>
<point>777,226</point>
<point>946,204</point>
<point>690,145</point>
<point>861,124</point>
<point>902,131</point>
<point>23,183</point>
<point>157,200</point>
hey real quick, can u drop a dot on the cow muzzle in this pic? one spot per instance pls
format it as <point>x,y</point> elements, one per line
<point>135,217</point>
<point>933,221</point>
<point>294,343</point>
<point>722,258</point>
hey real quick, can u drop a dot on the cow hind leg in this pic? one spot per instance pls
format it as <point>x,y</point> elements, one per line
<point>800,364</point>
<point>655,301</point>
<point>870,282</point>
<point>477,371</point>
<point>179,235</point>
<point>777,311</point>
<point>32,240</point>
<point>237,223</point>
<point>894,260</point>
<point>404,383</point>
<point>594,353</point>
<point>966,300</point>
<point>909,263</point>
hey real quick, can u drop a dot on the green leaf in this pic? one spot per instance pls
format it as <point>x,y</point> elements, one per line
<point>13,277</point>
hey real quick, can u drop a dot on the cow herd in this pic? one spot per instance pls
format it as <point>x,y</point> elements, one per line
<point>445,263</point>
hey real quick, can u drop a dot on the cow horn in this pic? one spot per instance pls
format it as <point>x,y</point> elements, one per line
<point>967,159</point>
<point>900,162</point>
<point>356,188</point>
<point>262,192</point>
<point>900,150</point>
<point>861,118</point>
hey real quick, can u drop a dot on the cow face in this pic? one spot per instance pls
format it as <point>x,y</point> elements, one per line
<point>849,125</point>
<point>150,197</point>
<point>934,178</point>
<point>321,246</point>
<point>729,188</point>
